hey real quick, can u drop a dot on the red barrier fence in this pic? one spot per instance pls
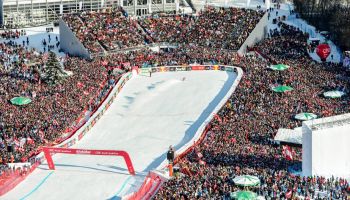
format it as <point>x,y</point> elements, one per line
<point>11,179</point>
<point>124,154</point>
<point>147,189</point>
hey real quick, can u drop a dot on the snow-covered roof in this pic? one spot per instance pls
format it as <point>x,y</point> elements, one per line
<point>14,2</point>
<point>294,136</point>
<point>328,122</point>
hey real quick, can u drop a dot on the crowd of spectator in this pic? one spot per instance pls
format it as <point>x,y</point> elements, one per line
<point>12,34</point>
<point>55,110</point>
<point>240,140</point>
<point>109,28</point>
<point>219,28</point>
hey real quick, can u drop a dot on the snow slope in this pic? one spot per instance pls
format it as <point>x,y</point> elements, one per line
<point>148,115</point>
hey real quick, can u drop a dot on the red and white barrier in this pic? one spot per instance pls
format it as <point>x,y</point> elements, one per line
<point>124,154</point>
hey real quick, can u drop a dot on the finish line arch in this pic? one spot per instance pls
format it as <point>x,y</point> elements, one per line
<point>51,150</point>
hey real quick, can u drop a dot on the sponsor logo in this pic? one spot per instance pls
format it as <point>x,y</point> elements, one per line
<point>198,67</point>
<point>83,152</point>
<point>181,68</point>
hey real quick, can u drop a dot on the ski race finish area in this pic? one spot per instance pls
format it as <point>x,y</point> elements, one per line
<point>147,116</point>
<point>51,164</point>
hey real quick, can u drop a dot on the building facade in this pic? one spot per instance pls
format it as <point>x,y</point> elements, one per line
<point>26,13</point>
<point>326,147</point>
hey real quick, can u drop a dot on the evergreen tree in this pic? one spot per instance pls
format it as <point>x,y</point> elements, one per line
<point>53,72</point>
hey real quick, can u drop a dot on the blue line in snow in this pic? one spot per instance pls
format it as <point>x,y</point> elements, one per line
<point>37,187</point>
<point>123,186</point>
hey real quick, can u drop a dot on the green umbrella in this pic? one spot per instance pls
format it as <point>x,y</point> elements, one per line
<point>279,67</point>
<point>334,94</point>
<point>20,101</point>
<point>282,88</point>
<point>305,116</point>
<point>246,180</point>
<point>243,195</point>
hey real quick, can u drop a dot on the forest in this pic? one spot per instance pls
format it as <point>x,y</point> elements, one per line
<point>328,15</point>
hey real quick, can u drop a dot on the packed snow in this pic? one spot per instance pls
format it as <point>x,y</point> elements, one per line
<point>149,114</point>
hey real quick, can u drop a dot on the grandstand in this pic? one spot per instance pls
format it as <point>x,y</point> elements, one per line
<point>27,13</point>
<point>228,87</point>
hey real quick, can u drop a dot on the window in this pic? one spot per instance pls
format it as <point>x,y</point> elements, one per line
<point>128,2</point>
<point>141,2</point>
<point>156,1</point>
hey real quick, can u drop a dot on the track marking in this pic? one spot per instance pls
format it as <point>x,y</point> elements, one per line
<point>123,186</point>
<point>37,187</point>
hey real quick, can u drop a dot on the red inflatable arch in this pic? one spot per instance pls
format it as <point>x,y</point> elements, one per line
<point>49,150</point>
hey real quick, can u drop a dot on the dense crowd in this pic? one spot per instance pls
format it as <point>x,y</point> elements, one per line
<point>109,28</point>
<point>220,28</point>
<point>12,34</point>
<point>55,110</point>
<point>240,140</point>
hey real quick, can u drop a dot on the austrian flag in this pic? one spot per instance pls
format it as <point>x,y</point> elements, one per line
<point>287,152</point>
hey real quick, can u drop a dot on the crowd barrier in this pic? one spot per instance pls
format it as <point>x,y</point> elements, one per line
<point>153,183</point>
<point>14,177</point>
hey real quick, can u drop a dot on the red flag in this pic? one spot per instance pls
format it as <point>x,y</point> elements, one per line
<point>16,142</point>
<point>30,140</point>
<point>202,162</point>
<point>80,85</point>
<point>199,155</point>
<point>217,117</point>
<point>20,149</point>
<point>104,63</point>
<point>287,153</point>
<point>41,134</point>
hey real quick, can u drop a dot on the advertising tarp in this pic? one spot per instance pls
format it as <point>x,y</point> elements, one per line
<point>198,67</point>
